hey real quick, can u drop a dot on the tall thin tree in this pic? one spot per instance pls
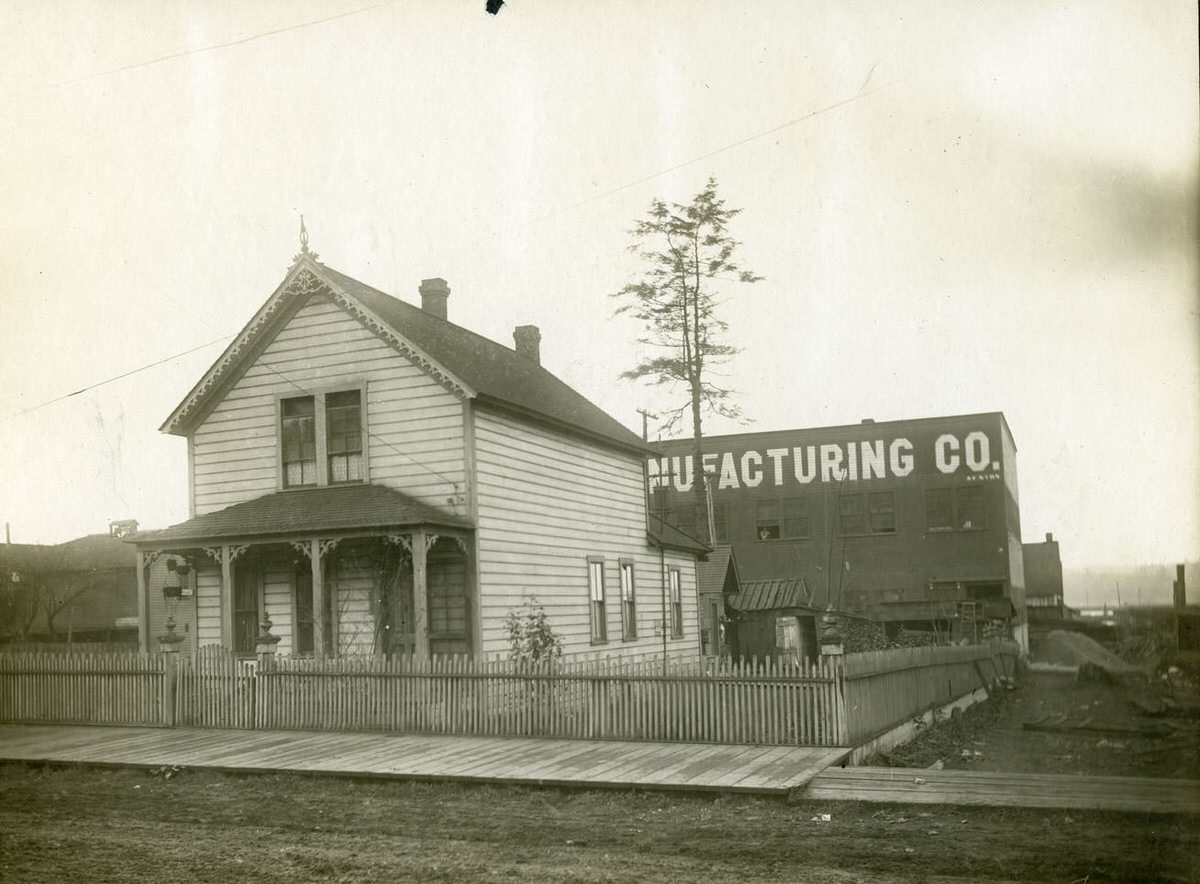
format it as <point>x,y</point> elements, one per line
<point>689,257</point>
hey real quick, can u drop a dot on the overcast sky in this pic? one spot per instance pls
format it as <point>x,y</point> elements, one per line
<point>956,207</point>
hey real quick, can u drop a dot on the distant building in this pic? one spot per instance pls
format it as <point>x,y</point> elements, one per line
<point>915,523</point>
<point>1043,580</point>
<point>84,590</point>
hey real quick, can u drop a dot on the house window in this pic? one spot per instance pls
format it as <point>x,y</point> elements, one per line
<point>676,595</point>
<point>628,602</point>
<point>596,599</point>
<point>766,520</point>
<point>303,642</point>
<point>321,439</point>
<point>939,512</point>
<point>795,518</point>
<point>852,518</point>
<point>343,420</point>
<point>299,437</point>
<point>882,505</point>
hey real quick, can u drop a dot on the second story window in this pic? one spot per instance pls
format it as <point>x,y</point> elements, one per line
<point>299,442</point>
<point>321,439</point>
<point>343,417</point>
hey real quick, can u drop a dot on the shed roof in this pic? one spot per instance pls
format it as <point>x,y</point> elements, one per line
<point>332,508</point>
<point>770,595</point>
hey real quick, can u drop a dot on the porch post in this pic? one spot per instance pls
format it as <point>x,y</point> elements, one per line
<point>420,597</point>
<point>143,603</point>
<point>318,598</point>
<point>226,597</point>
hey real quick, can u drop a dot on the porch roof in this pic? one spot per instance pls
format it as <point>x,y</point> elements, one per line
<point>303,511</point>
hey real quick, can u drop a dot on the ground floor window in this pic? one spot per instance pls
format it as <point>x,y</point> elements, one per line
<point>596,607</point>
<point>676,596</point>
<point>628,602</point>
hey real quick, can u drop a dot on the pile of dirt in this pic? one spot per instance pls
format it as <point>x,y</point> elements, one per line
<point>1064,648</point>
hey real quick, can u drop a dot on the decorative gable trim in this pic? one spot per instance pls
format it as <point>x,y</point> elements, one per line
<point>304,281</point>
<point>399,343</point>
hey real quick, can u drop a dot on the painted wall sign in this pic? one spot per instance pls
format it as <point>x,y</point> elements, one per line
<point>971,455</point>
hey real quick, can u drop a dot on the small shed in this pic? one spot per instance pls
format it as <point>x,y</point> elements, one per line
<point>717,584</point>
<point>775,618</point>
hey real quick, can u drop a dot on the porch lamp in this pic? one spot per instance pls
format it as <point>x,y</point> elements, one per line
<point>172,591</point>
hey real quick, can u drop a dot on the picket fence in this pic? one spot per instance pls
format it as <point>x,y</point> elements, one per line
<point>832,702</point>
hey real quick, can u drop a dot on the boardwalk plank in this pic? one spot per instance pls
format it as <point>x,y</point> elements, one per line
<point>708,766</point>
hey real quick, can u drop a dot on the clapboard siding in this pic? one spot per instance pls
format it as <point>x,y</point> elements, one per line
<point>279,599</point>
<point>415,441</point>
<point>208,606</point>
<point>352,583</point>
<point>547,501</point>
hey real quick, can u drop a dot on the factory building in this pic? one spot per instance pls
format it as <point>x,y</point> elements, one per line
<point>914,524</point>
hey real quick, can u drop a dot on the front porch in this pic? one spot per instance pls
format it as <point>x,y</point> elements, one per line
<point>362,570</point>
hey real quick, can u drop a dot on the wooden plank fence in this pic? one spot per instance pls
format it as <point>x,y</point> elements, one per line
<point>886,688</point>
<point>39,688</point>
<point>767,702</point>
<point>832,702</point>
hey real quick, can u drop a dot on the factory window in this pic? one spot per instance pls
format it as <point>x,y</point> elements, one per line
<point>939,511</point>
<point>852,517</point>
<point>720,523</point>
<point>685,518</point>
<point>795,517</point>
<point>766,520</point>
<point>969,505</point>
<point>883,512</point>
<point>963,507</point>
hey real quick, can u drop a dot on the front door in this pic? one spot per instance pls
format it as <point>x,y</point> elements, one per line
<point>247,586</point>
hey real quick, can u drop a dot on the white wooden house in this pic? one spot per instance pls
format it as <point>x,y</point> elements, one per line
<point>372,478</point>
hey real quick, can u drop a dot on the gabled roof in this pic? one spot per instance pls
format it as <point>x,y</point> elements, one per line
<point>470,365</point>
<point>771,595</point>
<point>329,508</point>
<point>95,552</point>
<point>713,573</point>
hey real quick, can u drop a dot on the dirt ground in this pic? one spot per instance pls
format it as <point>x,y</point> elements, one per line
<point>1089,728</point>
<point>75,824</point>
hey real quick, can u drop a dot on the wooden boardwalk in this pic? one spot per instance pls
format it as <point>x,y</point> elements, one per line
<point>915,786</point>
<point>763,770</point>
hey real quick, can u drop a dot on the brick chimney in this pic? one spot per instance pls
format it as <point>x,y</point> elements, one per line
<point>434,293</point>
<point>528,342</point>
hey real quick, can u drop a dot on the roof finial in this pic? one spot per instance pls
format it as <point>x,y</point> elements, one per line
<point>304,249</point>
